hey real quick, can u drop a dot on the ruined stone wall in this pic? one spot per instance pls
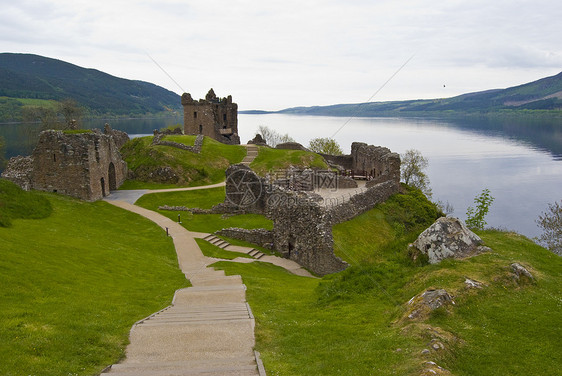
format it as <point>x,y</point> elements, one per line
<point>84,165</point>
<point>259,236</point>
<point>196,148</point>
<point>345,161</point>
<point>375,161</point>
<point>19,170</point>
<point>119,137</point>
<point>362,202</point>
<point>213,117</point>
<point>302,233</point>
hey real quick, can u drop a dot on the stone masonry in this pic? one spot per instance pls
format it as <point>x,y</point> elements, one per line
<point>83,165</point>
<point>213,117</point>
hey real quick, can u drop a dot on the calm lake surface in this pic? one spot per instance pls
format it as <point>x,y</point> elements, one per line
<point>519,161</point>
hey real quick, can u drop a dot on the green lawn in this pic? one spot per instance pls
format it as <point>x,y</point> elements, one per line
<point>73,283</point>
<point>271,160</point>
<point>204,199</point>
<point>192,169</point>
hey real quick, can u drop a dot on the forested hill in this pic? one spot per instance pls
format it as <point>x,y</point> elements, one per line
<point>544,94</point>
<point>25,76</point>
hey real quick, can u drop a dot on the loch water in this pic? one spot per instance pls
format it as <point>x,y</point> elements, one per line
<point>518,160</point>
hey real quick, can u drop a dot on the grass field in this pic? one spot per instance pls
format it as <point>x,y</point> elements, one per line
<point>73,283</point>
<point>204,199</point>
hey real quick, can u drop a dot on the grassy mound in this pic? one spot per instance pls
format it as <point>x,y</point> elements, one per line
<point>271,160</point>
<point>356,322</point>
<point>73,284</point>
<point>160,166</point>
<point>16,203</point>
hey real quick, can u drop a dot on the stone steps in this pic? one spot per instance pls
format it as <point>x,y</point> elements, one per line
<point>241,366</point>
<point>229,247</point>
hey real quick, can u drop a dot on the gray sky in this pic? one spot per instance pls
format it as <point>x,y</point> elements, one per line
<point>277,54</point>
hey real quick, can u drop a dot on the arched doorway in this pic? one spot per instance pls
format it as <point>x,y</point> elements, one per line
<point>112,178</point>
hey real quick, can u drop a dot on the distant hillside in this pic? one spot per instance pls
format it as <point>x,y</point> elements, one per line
<point>544,94</point>
<point>25,76</point>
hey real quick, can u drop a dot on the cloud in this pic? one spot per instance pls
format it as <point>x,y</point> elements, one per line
<point>277,54</point>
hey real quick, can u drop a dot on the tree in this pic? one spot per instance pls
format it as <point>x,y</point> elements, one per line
<point>325,146</point>
<point>475,216</point>
<point>272,137</point>
<point>71,112</point>
<point>412,167</point>
<point>551,224</point>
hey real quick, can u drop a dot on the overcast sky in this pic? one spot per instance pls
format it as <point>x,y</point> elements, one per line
<point>277,54</point>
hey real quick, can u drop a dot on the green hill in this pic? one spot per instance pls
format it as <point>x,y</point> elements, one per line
<point>544,94</point>
<point>26,76</point>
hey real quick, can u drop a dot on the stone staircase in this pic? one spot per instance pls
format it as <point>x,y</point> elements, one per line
<point>215,318</point>
<point>234,248</point>
<point>251,154</point>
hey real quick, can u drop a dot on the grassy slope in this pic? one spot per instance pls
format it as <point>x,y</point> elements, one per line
<point>204,168</point>
<point>270,160</point>
<point>73,284</point>
<point>203,199</point>
<point>352,323</point>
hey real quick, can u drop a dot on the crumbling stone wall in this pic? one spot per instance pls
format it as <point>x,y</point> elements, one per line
<point>302,232</point>
<point>119,137</point>
<point>19,171</point>
<point>196,148</point>
<point>362,202</point>
<point>85,165</point>
<point>376,163</point>
<point>213,117</point>
<point>259,236</point>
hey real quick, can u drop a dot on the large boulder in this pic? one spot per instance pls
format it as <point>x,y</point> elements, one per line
<point>448,238</point>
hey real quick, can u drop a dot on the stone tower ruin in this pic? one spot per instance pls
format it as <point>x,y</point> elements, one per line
<point>213,117</point>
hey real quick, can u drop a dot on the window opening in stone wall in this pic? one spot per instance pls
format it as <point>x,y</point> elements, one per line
<point>224,117</point>
<point>200,128</point>
<point>102,181</point>
<point>54,157</point>
<point>112,178</point>
<point>195,114</point>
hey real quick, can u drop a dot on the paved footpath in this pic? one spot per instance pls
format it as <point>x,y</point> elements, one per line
<point>209,327</point>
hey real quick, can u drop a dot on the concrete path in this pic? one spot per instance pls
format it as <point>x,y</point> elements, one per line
<point>208,329</point>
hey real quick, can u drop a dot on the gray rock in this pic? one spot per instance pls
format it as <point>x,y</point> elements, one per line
<point>448,238</point>
<point>472,284</point>
<point>519,270</point>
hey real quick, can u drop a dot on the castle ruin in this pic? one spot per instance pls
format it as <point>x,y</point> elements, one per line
<point>213,117</point>
<point>302,226</point>
<point>84,165</point>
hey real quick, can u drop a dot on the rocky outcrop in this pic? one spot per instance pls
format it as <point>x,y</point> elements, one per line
<point>448,238</point>
<point>420,306</point>
<point>257,140</point>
